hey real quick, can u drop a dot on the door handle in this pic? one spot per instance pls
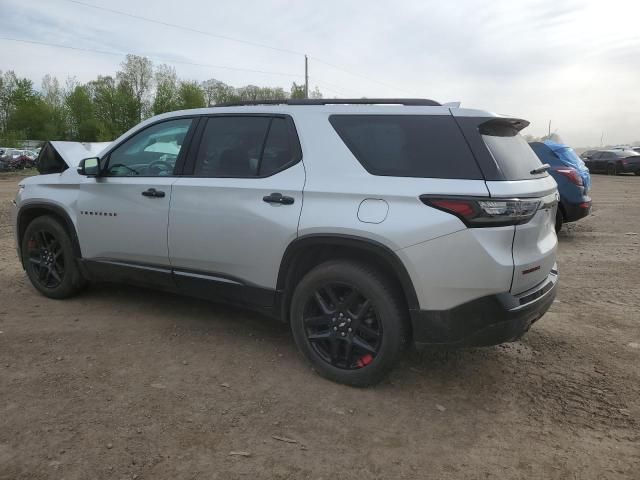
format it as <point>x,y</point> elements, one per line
<point>153,193</point>
<point>278,198</point>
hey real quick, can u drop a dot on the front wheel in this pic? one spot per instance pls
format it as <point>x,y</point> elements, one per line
<point>49,260</point>
<point>612,170</point>
<point>349,322</point>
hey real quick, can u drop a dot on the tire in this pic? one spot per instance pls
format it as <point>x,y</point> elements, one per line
<point>612,170</point>
<point>49,259</point>
<point>559,220</point>
<point>336,296</point>
<point>637,172</point>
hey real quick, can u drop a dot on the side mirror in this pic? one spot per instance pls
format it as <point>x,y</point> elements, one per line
<point>89,167</point>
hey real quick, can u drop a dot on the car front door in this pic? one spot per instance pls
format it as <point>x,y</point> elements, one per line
<point>236,209</point>
<point>123,213</point>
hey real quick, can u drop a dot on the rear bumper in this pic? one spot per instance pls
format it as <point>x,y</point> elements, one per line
<point>486,321</point>
<point>576,211</point>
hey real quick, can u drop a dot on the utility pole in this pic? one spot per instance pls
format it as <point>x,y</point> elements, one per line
<point>306,77</point>
<point>549,134</point>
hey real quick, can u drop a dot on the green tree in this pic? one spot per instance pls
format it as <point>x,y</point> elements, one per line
<point>297,91</point>
<point>29,117</point>
<point>7,100</point>
<point>216,92</point>
<point>83,125</point>
<point>315,93</point>
<point>190,95</point>
<point>166,97</point>
<point>135,78</point>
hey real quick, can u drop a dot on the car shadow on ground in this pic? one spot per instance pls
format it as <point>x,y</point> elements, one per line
<point>201,320</point>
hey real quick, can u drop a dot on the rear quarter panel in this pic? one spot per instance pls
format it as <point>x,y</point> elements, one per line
<point>336,184</point>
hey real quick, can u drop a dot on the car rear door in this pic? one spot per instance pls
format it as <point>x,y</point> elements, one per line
<point>237,206</point>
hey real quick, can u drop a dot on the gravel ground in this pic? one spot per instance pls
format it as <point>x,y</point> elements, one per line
<point>122,382</point>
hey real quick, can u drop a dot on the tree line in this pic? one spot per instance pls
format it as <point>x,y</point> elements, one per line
<point>104,108</point>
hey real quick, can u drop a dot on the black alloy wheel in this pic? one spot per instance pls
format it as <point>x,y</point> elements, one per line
<point>49,258</point>
<point>342,326</point>
<point>350,322</point>
<point>46,258</point>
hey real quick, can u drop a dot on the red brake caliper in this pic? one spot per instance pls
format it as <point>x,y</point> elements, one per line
<point>364,360</point>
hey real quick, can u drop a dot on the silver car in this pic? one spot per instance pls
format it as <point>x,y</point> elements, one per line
<point>364,226</point>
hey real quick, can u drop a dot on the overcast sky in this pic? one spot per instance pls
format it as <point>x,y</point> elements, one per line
<point>574,62</point>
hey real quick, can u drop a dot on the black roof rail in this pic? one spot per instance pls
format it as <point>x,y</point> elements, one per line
<point>413,102</point>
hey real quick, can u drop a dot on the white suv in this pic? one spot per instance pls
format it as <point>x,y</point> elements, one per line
<point>362,225</point>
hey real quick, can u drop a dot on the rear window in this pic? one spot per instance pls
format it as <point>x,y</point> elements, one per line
<point>425,146</point>
<point>510,151</point>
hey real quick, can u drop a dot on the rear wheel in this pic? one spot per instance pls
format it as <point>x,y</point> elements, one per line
<point>559,220</point>
<point>349,322</point>
<point>49,260</point>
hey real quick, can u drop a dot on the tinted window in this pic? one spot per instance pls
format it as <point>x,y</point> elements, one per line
<point>243,147</point>
<point>279,149</point>
<point>427,146</point>
<point>510,151</point>
<point>150,153</point>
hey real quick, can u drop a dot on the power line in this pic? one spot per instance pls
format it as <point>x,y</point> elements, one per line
<point>238,40</point>
<point>361,76</point>
<point>340,90</point>
<point>120,54</point>
<point>183,27</point>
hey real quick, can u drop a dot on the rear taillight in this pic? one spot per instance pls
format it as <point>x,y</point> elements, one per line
<point>477,212</point>
<point>571,173</point>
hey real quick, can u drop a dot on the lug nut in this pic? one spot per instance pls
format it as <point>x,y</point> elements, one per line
<point>335,329</point>
<point>343,334</point>
<point>350,329</point>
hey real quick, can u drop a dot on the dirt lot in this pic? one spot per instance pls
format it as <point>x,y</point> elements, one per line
<point>127,383</point>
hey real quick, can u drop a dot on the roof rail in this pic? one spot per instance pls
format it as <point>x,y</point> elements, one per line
<point>421,102</point>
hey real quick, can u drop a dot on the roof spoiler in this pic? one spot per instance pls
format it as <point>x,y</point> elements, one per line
<point>501,126</point>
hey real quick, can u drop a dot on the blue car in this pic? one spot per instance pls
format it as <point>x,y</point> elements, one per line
<point>572,177</point>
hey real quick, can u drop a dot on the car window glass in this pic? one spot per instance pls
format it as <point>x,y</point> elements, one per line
<point>150,153</point>
<point>278,150</point>
<point>231,147</point>
<point>423,146</point>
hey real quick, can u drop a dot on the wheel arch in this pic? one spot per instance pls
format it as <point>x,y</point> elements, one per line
<point>31,211</point>
<point>308,251</point>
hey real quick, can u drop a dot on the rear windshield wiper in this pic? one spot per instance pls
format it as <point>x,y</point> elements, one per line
<point>541,169</point>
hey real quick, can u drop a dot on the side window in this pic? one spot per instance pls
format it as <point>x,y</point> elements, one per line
<point>150,153</point>
<point>278,149</point>
<point>231,147</point>
<point>244,147</point>
<point>422,146</point>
